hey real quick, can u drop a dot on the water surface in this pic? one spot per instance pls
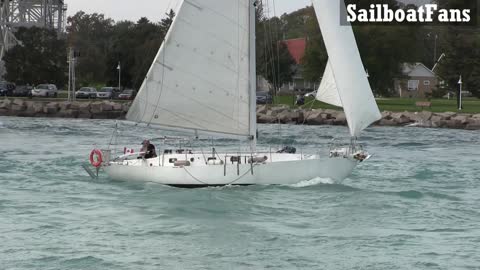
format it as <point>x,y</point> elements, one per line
<point>414,205</point>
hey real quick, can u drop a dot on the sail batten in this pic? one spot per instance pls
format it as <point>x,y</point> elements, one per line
<point>200,78</point>
<point>349,75</point>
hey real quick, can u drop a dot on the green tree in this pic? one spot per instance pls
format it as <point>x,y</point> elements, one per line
<point>135,45</point>
<point>274,62</point>
<point>41,58</point>
<point>90,35</point>
<point>461,45</point>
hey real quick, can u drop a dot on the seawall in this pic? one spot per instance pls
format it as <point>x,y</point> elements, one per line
<point>59,109</point>
<point>265,114</point>
<point>424,119</point>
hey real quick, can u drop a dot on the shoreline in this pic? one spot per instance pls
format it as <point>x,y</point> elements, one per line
<point>265,115</point>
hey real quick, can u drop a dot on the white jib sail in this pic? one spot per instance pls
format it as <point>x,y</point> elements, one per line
<point>200,77</point>
<point>328,92</point>
<point>360,107</point>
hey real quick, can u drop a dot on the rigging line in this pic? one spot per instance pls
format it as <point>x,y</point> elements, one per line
<point>237,104</point>
<point>209,33</point>
<point>196,5</point>
<point>194,28</point>
<point>306,139</point>
<point>218,112</point>
<point>269,37</point>
<point>213,84</point>
<point>144,87</point>
<point>277,28</point>
<point>187,118</point>
<point>273,43</point>
<point>270,43</point>
<point>167,36</point>
<point>226,184</point>
<point>265,36</point>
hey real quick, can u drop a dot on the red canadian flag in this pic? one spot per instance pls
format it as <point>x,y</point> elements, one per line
<point>128,151</point>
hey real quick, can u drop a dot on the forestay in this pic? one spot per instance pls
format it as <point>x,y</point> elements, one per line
<point>200,77</point>
<point>328,92</point>
<point>349,74</point>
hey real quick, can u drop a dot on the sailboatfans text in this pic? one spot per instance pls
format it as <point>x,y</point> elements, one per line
<point>430,13</point>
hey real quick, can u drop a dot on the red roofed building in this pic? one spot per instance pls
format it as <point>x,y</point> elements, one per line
<point>297,47</point>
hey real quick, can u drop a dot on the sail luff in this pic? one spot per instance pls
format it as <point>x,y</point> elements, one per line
<point>354,90</point>
<point>199,79</point>
<point>134,112</point>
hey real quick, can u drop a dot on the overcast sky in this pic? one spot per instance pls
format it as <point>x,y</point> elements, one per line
<point>153,9</point>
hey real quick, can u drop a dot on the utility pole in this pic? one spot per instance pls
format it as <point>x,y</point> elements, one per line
<point>119,68</point>
<point>69,61</point>
<point>460,106</point>
<point>74,59</point>
<point>71,74</point>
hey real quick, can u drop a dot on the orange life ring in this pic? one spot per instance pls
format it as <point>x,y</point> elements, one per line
<point>96,158</point>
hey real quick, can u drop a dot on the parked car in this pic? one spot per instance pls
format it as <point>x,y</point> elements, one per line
<point>23,91</point>
<point>311,94</point>
<point>108,93</point>
<point>128,95</point>
<point>467,94</point>
<point>264,98</point>
<point>6,88</point>
<point>45,90</point>
<point>86,92</point>
<point>453,94</point>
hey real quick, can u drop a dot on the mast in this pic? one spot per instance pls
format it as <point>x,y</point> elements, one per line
<point>253,76</point>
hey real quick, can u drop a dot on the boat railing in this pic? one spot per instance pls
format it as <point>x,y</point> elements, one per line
<point>106,155</point>
<point>339,149</point>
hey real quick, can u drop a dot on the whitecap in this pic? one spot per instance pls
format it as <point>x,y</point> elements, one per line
<point>314,182</point>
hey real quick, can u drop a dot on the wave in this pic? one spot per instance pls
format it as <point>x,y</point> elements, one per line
<point>414,194</point>
<point>314,182</point>
<point>409,144</point>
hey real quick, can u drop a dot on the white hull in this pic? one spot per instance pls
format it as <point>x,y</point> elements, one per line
<point>292,170</point>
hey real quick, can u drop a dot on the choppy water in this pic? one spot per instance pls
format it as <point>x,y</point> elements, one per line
<point>415,205</point>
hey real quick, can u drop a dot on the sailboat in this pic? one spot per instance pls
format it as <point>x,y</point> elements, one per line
<point>203,81</point>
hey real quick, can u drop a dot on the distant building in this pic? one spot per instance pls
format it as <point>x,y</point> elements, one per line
<point>263,85</point>
<point>296,48</point>
<point>418,81</point>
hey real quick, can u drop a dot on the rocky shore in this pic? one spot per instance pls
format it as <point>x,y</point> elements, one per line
<point>87,110</point>
<point>426,119</point>
<point>265,114</point>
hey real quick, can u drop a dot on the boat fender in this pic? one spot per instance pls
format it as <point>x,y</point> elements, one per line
<point>236,159</point>
<point>181,163</point>
<point>215,162</point>
<point>96,158</point>
<point>258,159</point>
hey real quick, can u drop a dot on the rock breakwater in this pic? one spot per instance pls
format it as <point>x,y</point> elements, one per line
<point>265,114</point>
<point>87,110</point>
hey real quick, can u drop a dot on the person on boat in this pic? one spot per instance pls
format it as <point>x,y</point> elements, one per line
<point>148,150</point>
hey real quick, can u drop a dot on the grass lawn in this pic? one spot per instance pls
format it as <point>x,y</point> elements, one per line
<point>470,105</point>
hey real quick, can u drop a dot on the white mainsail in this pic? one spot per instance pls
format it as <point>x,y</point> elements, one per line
<point>200,79</point>
<point>354,90</point>
<point>328,92</point>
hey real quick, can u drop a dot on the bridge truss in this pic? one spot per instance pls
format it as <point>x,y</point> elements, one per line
<point>28,13</point>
